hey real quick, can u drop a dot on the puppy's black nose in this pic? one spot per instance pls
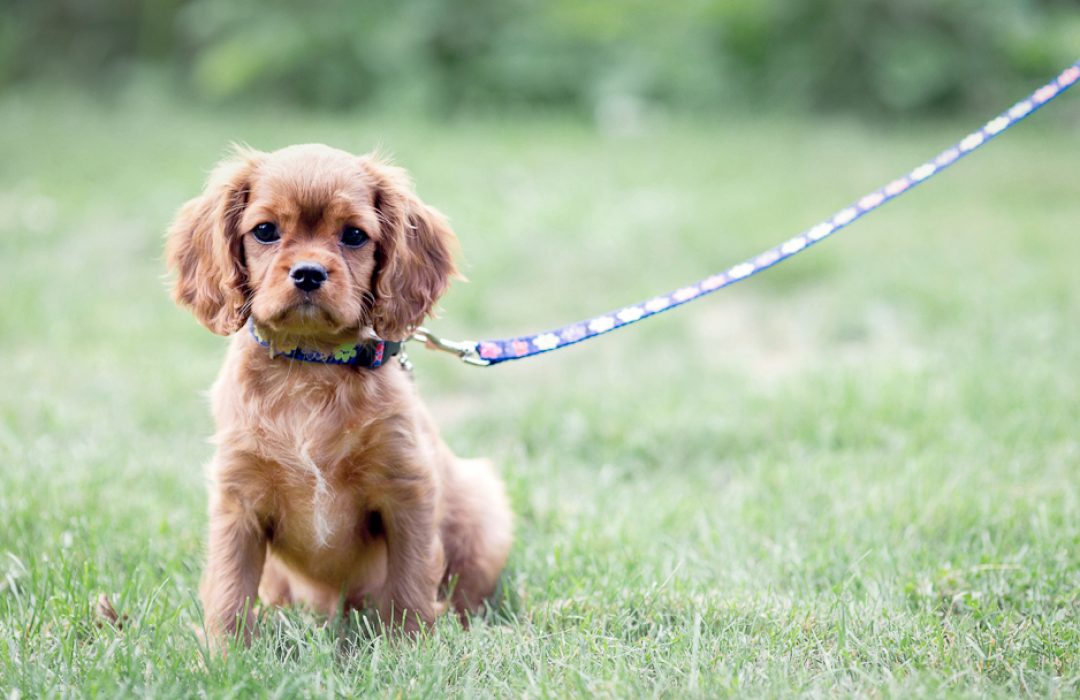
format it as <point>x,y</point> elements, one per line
<point>307,276</point>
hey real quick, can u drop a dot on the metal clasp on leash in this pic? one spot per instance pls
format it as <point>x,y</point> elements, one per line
<point>465,350</point>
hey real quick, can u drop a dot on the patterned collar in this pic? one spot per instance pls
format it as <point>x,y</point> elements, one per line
<point>369,355</point>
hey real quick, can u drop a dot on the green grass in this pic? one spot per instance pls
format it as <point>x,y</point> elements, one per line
<point>855,475</point>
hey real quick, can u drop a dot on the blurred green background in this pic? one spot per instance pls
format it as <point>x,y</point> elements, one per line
<point>880,57</point>
<point>854,476</point>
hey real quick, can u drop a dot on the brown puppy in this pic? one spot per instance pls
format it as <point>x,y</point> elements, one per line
<point>330,483</point>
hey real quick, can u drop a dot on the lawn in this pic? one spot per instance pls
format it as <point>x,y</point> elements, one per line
<point>857,474</point>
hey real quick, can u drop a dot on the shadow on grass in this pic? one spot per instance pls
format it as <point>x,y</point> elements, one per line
<point>290,633</point>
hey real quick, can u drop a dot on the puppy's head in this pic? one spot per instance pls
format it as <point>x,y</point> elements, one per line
<point>309,241</point>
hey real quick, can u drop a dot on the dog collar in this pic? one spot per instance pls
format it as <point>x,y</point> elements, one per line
<point>370,355</point>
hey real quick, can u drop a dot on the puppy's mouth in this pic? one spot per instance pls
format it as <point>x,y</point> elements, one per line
<point>305,315</point>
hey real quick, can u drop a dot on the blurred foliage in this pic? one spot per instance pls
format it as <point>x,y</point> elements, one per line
<point>624,56</point>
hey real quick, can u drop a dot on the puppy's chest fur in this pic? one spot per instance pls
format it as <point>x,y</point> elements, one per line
<point>324,446</point>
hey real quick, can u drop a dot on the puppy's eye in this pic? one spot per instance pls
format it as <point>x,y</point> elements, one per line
<point>265,232</point>
<point>353,237</point>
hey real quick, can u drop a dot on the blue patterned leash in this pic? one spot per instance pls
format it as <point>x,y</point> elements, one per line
<point>490,352</point>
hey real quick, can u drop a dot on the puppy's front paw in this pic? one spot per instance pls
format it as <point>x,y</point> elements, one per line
<point>410,620</point>
<point>220,630</point>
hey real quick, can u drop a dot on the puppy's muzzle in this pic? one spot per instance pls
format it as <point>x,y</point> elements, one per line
<point>307,276</point>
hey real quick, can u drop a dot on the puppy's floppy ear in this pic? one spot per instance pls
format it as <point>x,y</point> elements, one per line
<point>415,254</point>
<point>205,246</point>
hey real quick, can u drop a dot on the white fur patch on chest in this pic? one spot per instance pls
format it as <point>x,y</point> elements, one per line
<point>321,496</point>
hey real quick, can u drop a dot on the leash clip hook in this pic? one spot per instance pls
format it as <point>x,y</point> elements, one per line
<point>465,350</point>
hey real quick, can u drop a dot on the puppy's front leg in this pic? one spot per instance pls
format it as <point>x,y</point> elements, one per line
<point>236,554</point>
<point>415,562</point>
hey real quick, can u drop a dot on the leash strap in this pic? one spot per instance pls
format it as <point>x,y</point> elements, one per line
<point>490,352</point>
